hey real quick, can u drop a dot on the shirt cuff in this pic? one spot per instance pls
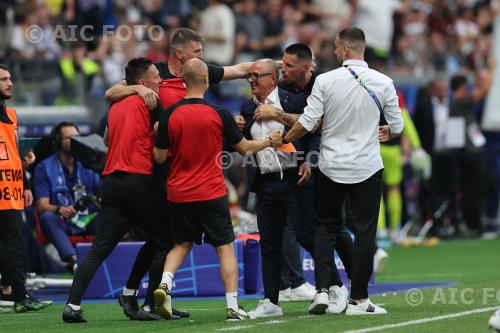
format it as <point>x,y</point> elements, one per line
<point>396,129</point>
<point>306,123</point>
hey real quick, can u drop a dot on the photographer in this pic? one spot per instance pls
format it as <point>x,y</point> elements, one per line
<point>64,190</point>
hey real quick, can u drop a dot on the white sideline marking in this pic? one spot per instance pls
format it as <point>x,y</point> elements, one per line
<point>423,320</point>
<point>235,328</point>
<point>275,321</point>
<point>436,275</point>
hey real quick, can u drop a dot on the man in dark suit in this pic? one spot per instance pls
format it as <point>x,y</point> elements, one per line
<point>452,167</point>
<point>274,180</point>
<point>430,117</point>
<point>298,80</point>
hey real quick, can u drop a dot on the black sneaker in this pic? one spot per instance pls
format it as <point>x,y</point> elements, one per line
<point>163,301</point>
<point>176,314</point>
<point>27,305</point>
<point>131,309</point>
<point>73,316</point>
<point>180,314</point>
<point>37,300</point>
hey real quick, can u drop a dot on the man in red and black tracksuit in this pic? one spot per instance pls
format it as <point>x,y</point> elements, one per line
<point>185,44</point>
<point>130,194</point>
<point>192,132</point>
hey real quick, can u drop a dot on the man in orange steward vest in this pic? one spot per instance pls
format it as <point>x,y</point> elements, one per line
<point>15,193</point>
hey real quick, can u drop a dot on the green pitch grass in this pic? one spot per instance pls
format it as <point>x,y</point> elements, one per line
<point>474,266</point>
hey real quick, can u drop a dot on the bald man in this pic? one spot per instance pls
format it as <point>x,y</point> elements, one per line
<point>191,133</point>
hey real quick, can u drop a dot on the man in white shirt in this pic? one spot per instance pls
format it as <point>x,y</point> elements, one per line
<point>350,100</point>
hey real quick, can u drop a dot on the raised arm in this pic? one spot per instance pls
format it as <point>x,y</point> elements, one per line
<point>121,90</point>
<point>237,71</point>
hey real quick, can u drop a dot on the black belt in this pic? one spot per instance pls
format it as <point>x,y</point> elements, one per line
<point>277,175</point>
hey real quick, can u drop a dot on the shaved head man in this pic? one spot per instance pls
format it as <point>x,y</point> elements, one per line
<point>191,133</point>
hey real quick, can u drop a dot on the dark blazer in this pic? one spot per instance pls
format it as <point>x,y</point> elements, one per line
<point>291,103</point>
<point>423,118</point>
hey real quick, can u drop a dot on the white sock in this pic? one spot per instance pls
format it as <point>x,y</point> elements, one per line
<point>232,301</point>
<point>129,292</point>
<point>167,278</point>
<point>74,307</point>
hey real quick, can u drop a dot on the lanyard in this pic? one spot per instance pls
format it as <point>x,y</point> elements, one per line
<point>362,83</point>
<point>65,183</point>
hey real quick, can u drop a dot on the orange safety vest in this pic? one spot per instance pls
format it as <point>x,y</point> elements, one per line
<point>11,168</point>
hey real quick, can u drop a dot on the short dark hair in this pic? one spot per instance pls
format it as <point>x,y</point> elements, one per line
<point>457,82</point>
<point>302,51</point>
<point>355,37</point>
<point>182,36</point>
<point>55,134</point>
<point>136,68</point>
<point>4,67</point>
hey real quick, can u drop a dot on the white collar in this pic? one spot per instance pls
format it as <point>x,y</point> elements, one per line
<point>435,100</point>
<point>353,62</point>
<point>272,98</point>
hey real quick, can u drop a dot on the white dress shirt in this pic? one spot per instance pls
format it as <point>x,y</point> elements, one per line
<point>350,149</point>
<point>441,113</point>
<point>270,159</point>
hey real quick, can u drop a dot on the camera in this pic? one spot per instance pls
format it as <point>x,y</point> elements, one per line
<point>83,203</point>
<point>83,200</point>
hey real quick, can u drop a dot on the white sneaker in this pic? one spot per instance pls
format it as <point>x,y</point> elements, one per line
<point>320,303</point>
<point>304,292</point>
<point>365,308</point>
<point>494,321</point>
<point>380,260</point>
<point>285,295</point>
<point>338,297</point>
<point>266,309</point>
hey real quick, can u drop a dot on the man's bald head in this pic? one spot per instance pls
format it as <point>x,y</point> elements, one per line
<point>269,65</point>
<point>195,73</point>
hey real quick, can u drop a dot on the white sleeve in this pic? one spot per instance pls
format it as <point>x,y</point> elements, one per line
<point>392,112</point>
<point>314,109</point>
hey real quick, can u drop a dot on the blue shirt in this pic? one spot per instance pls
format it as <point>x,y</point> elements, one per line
<point>49,183</point>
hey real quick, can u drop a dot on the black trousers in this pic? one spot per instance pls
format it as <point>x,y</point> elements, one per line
<point>365,204</point>
<point>11,257</point>
<point>127,200</point>
<point>149,258</point>
<point>292,274</point>
<point>305,228</point>
<point>276,206</point>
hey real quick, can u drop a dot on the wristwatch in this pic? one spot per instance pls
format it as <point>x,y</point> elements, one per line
<point>58,208</point>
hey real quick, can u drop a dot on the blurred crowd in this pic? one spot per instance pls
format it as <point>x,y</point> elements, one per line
<point>413,37</point>
<point>88,43</point>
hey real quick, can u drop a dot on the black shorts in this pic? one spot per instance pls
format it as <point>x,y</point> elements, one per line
<point>191,220</point>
